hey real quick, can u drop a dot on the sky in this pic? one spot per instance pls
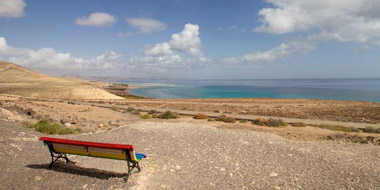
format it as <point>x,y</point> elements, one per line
<point>194,39</point>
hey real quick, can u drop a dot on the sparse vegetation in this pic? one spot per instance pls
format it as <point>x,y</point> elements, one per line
<point>243,121</point>
<point>338,128</point>
<point>153,112</point>
<point>270,122</point>
<point>371,130</point>
<point>168,115</point>
<point>298,124</point>
<point>226,119</point>
<point>137,112</point>
<point>275,123</point>
<point>130,109</point>
<point>114,108</point>
<point>146,116</point>
<point>200,116</point>
<point>45,126</point>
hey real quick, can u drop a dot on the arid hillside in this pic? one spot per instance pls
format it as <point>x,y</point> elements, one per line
<point>17,80</point>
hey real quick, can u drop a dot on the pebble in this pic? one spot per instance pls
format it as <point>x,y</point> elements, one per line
<point>37,178</point>
<point>273,174</point>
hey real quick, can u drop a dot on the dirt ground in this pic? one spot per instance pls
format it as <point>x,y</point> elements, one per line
<point>333,110</point>
<point>17,80</point>
<point>182,153</point>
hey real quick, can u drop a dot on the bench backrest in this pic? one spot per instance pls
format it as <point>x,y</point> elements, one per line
<point>94,149</point>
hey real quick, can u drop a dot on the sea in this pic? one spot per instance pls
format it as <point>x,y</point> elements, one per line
<point>362,89</point>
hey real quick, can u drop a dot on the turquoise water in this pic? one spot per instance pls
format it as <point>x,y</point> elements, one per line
<point>334,89</point>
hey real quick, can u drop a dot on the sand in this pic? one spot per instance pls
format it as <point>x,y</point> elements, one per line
<point>18,80</point>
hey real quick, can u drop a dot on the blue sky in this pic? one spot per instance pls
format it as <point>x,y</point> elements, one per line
<point>214,39</point>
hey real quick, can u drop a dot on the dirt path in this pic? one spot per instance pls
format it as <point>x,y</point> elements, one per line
<point>189,154</point>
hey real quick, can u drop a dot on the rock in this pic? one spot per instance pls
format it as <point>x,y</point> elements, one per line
<point>67,125</point>
<point>37,178</point>
<point>177,167</point>
<point>29,112</point>
<point>63,121</point>
<point>273,174</point>
<point>222,169</point>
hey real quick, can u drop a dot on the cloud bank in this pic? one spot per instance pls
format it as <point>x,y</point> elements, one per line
<point>184,49</point>
<point>319,20</point>
<point>49,58</point>
<point>342,20</point>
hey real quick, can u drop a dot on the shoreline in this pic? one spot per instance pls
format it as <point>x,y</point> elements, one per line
<point>232,98</point>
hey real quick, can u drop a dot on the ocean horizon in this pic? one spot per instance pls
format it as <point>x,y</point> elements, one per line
<point>359,89</point>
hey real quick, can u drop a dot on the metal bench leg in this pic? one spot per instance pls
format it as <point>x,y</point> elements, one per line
<point>132,165</point>
<point>54,158</point>
<point>66,158</point>
<point>138,167</point>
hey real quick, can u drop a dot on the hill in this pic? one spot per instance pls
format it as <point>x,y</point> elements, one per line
<point>17,80</point>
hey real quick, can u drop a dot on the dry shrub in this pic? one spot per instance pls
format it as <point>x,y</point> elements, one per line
<point>168,115</point>
<point>269,122</point>
<point>298,124</point>
<point>371,130</point>
<point>146,116</point>
<point>200,116</point>
<point>226,119</point>
<point>45,126</point>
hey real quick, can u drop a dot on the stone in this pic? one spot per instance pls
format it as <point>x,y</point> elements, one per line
<point>273,174</point>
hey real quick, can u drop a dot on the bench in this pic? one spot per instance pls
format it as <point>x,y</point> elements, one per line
<point>60,147</point>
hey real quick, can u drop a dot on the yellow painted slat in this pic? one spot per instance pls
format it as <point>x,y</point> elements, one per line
<point>69,149</point>
<point>107,153</point>
<point>94,152</point>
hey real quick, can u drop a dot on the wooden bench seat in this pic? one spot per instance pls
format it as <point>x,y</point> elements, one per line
<point>60,147</point>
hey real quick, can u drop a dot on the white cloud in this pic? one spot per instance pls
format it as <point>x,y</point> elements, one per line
<point>12,8</point>
<point>158,62</point>
<point>261,56</point>
<point>341,20</point>
<point>160,49</point>
<point>146,25</point>
<point>280,51</point>
<point>98,19</point>
<point>188,40</point>
<point>3,44</point>
<point>183,49</point>
<point>49,58</point>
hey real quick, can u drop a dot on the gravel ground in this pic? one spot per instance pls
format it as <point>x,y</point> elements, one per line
<point>191,155</point>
